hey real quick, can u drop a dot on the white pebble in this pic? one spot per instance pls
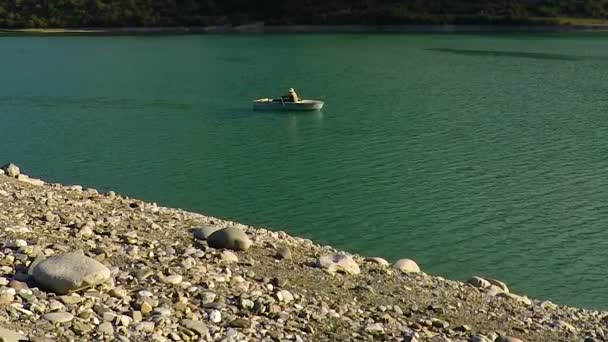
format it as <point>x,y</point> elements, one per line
<point>144,293</point>
<point>215,316</point>
<point>173,279</point>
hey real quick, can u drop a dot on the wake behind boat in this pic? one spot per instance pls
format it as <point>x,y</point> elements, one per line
<point>290,102</point>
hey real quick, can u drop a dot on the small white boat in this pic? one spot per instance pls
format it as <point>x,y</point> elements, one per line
<point>280,104</point>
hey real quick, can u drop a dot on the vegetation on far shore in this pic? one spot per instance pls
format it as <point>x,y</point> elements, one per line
<point>18,14</point>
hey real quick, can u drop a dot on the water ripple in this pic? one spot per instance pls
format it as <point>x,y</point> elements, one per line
<point>485,156</point>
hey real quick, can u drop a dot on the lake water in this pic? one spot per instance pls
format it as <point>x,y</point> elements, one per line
<point>472,154</point>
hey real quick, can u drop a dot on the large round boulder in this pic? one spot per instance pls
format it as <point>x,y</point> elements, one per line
<point>377,261</point>
<point>68,272</point>
<point>498,284</point>
<point>479,282</point>
<point>517,298</point>
<point>231,238</point>
<point>338,263</point>
<point>203,233</point>
<point>406,266</point>
<point>11,170</point>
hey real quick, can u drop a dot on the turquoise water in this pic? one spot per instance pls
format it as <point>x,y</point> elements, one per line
<point>472,154</point>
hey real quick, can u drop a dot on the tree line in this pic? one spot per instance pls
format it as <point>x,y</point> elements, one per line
<point>166,13</point>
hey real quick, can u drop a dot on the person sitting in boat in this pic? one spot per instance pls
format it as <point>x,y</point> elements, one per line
<point>293,97</point>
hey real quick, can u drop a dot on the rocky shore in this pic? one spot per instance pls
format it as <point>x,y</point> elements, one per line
<point>79,265</point>
<point>261,28</point>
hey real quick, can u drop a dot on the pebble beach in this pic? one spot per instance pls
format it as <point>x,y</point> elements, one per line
<point>80,265</point>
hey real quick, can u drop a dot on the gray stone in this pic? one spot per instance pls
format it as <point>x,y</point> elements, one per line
<point>397,310</point>
<point>406,266</point>
<point>479,338</point>
<point>11,170</point>
<point>203,233</point>
<point>375,329</point>
<point>207,297</point>
<point>493,335</point>
<point>58,317</point>
<point>32,181</point>
<point>7,297</point>
<point>507,339</point>
<point>498,284</point>
<point>68,272</point>
<point>162,312</point>
<point>247,304</point>
<point>17,285</point>
<point>109,316</point>
<point>77,188</point>
<point>82,327</point>
<point>284,296</point>
<point>41,339</point>
<point>283,253</point>
<point>146,326</point>
<point>548,305</point>
<point>215,316</point>
<point>30,269</point>
<point>520,299</point>
<point>410,338</point>
<point>231,238</point>
<point>494,290</point>
<point>275,335</point>
<point>479,282</point>
<point>377,261</point>
<point>50,217</point>
<point>188,263</point>
<point>137,316</point>
<point>463,328</point>
<point>214,305</point>
<point>11,336</point>
<point>71,299</point>
<point>174,279</point>
<point>241,323</point>
<point>229,257</point>
<point>106,328</point>
<point>56,305</point>
<point>17,243</point>
<point>338,263</point>
<point>438,323</point>
<point>197,326</point>
<point>86,231</point>
<point>118,292</point>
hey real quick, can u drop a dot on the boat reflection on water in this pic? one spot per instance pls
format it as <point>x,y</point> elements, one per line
<point>298,122</point>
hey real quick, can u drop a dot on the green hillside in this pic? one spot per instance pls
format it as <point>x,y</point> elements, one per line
<point>122,13</point>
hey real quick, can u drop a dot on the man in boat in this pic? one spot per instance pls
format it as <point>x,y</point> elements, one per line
<point>293,97</point>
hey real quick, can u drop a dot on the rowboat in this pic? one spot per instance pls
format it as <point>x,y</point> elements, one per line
<point>280,104</point>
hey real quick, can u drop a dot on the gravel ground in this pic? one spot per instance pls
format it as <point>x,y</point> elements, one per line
<point>77,265</point>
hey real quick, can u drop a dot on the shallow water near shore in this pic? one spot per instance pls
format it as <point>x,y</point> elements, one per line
<point>472,154</point>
